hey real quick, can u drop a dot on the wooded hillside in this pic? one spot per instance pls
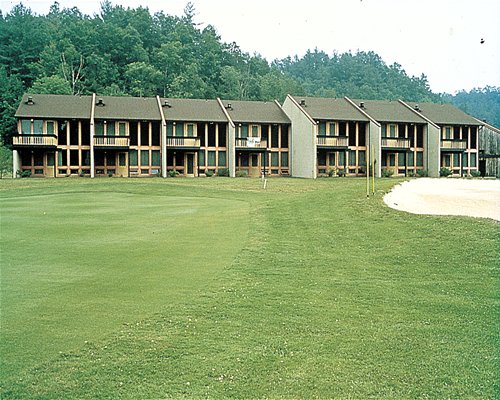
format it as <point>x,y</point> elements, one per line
<point>131,52</point>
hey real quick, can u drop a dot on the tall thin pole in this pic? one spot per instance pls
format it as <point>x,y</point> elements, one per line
<point>373,170</point>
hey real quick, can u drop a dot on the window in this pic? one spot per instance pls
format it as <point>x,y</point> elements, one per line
<point>122,129</point>
<point>447,132</point>
<point>244,160</point>
<point>85,133</point>
<point>222,158</point>
<point>155,158</point>
<point>86,157</point>
<point>73,134</point>
<point>321,158</point>
<point>190,130</point>
<point>274,139</point>
<point>274,159</point>
<point>50,160</point>
<point>121,160</point>
<point>222,135</point>
<point>392,130</point>
<point>211,135</point>
<point>99,129</point>
<point>332,159</point>
<point>25,127</point>
<point>401,160</point>
<point>456,160</point>
<point>322,128</point>
<point>411,159</point>
<point>155,133</point>
<point>384,130</point>
<point>332,129</point>
<point>401,130</point>
<point>352,157</point>
<point>38,126</point>
<point>465,160</point>
<point>132,157</point>
<point>50,128</point>
<point>473,157</point>
<point>133,133</point>
<point>284,137</point>
<point>144,133</point>
<point>352,134</point>
<point>170,129</point>
<point>110,160</point>
<point>255,131</point>
<point>244,131</point>
<point>473,138</point>
<point>284,159</point>
<point>392,160</point>
<point>456,132</point>
<point>73,158</point>
<point>420,159</point>
<point>341,158</point>
<point>38,159</point>
<point>420,136</point>
<point>201,158</point>
<point>62,158</point>
<point>362,134</point>
<point>144,157</point>
<point>211,158</point>
<point>110,129</point>
<point>362,158</point>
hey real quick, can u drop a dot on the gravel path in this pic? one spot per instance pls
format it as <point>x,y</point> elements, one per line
<point>447,196</point>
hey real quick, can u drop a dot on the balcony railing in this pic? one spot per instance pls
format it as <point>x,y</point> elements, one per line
<point>35,140</point>
<point>251,143</point>
<point>395,143</point>
<point>183,141</point>
<point>331,141</point>
<point>111,141</point>
<point>453,144</point>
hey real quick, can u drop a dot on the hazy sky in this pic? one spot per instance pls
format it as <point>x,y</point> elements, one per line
<point>439,38</point>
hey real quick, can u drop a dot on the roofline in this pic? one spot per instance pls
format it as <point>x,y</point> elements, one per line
<point>489,126</point>
<point>301,109</point>
<point>362,111</point>
<point>419,114</point>
<point>225,112</point>
<point>160,108</point>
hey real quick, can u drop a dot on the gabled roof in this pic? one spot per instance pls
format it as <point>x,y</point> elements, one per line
<point>330,109</point>
<point>445,114</point>
<point>127,108</point>
<point>255,111</point>
<point>192,110</point>
<point>55,106</point>
<point>390,111</point>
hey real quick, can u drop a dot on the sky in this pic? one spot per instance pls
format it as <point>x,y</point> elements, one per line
<point>455,43</point>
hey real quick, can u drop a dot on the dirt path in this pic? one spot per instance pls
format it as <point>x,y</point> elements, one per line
<point>447,196</point>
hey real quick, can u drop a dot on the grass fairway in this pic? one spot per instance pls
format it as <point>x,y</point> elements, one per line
<point>214,288</point>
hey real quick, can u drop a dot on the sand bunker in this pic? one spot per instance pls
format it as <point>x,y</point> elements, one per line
<point>447,196</point>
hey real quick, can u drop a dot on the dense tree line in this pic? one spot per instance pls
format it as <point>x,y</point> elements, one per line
<point>131,52</point>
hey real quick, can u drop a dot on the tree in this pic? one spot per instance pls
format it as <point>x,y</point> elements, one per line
<point>5,161</point>
<point>51,85</point>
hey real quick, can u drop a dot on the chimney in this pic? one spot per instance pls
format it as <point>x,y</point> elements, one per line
<point>229,106</point>
<point>362,104</point>
<point>30,101</point>
<point>417,108</point>
<point>167,104</point>
<point>303,102</point>
<point>100,103</point>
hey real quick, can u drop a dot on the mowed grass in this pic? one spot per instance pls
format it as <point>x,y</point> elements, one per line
<point>215,288</point>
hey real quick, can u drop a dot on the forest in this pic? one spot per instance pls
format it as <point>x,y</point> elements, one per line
<point>131,52</point>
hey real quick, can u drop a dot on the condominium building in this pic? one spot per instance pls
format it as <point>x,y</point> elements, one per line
<point>61,135</point>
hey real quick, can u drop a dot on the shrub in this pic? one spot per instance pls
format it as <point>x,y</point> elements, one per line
<point>331,172</point>
<point>223,172</point>
<point>172,173</point>
<point>422,173</point>
<point>445,172</point>
<point>475,173</point>
<point>241,174</point>
<point>25,173</point>
<point>341,172</point>
<point>209,172</point>
<point>387,172</point>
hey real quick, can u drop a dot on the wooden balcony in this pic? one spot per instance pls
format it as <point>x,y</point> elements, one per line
<point>35,140</point>
<point>183,142</point>
<point>453,144</point>
<point>332,141</point>
<point>395,143</point>
<point>251,143</point>
<point>111,142</point>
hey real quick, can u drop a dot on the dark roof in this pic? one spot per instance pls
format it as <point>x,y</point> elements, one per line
<point>330,109</point>
<point>193,110</point>
<point>55,106</point>
<point>127,108</point>
<point>390,111</point>
<point>445,114</point>
<point>255,111</point>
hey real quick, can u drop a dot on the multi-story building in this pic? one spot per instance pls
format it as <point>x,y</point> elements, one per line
<point>305,137</point>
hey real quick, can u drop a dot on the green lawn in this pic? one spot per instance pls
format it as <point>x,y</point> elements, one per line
<point>215,288</point>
